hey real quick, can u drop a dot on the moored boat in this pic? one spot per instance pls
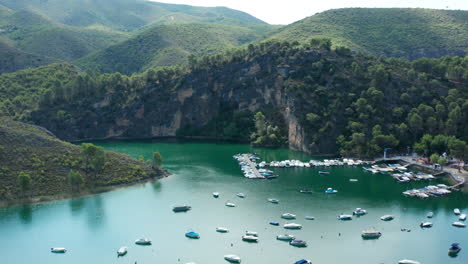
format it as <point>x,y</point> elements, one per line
<point>285,237</point>
<point>292,226</point>
<point>371,234</point>
<point>330,191</point>
<point>273,200</point>
<point>408,261</point>
<point>430,215</point>
<point>229,204</point>
<point>298,243</point>
<point>308,217</point>
<point>458,224</point>
<point>248,238</point>
<point>122,251</point>
<point>240,195</point>
<point>58,250</point>
<point>387,218</point>
<point>454,249</point>
<point>288,216</point>
<point>456,211</point>
<point>232,258</point>
<point>462,217</point>
<point>305,191</point>
<point>143,242</point>
<point>345,217</point>
<point>251,233</point>
<point>324,172</point>
<point>192,234</point>
<point>181,208</point>
<point>274,223</point>
<point>216,194</point>
<point>222,229</point>
<point>425,224</point>
<point>359,211</point>
<point>303,261</point>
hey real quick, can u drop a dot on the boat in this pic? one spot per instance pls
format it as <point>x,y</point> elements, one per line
<point>288,216</point>
<point>370,234</point>
<point>181,208</point>
<point>292,226</point>
<point>353,180</point>
<point>248,238</point>
<point>58,250</point>
<point>359,211</point>
<point>425,224</point>
<point>456,211</point>
<point>274,223</point>
<point>430,215</point>
<point>454,249</point>
<point>122,251</point>
<point>192,234</point>
<point>345,217</point>
<point>330,191</point>
<point>229,204</point>
<point>458,224</point>
<point>324,172</point>
<point>303,261</point>
<point>232,258</point>
<point>305,191</point>
<point>222,229</point>
<point>216,194</point>
<point>274,201</point>
<point>298,243</point>
<point>240,195</point>
<point>387,218</point>
<point>462,217</point>
<point>285,237</point>
<point>143,242</point>
<point>309,217</point>
<point>251,233</point>
<point>408,261</point>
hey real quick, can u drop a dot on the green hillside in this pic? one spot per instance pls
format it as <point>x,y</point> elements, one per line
<point>408,33</point>
<point>164,45</point>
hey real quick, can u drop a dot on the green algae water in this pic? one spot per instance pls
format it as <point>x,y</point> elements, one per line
<point>93,228</point>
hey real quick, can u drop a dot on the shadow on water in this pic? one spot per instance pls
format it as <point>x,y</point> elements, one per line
<point>76,205</point>
<point>25,214</point>
<point>157,186</point>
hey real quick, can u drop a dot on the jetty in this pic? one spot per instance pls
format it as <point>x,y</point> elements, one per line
<point>252,166</point>
<point>248,163</point>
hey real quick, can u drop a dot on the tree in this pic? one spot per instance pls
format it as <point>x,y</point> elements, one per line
<point>442,161</point>
<point>423,146</point>
<point>94,158</point>
<point>157,159</point>
<point>434,158</point>
<point>76,179</point>
<point>24,180</point>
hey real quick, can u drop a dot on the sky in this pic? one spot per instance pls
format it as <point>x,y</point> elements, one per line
<point>288,11</point>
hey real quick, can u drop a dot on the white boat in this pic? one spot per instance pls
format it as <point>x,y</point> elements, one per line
<point>58,250</point>
<point>430,215</point>
<point>222,229</point>
<point>425,224</point>
<point>288,216</point>
<point>143,241</point>
<point>250,238</point>
<point>459,224</point>
<point>122,251</point>
<point>298,243</point>
<point>462,217</point>
<point>370,234</point>
<point>456,211</point>
<point>387,218</point>
<point>408,261</point>
<point>292,226</point>
<point>232,258</point>
<point>229,204</point>
<point>309,217</point>
<point>353,180</point>
<point>359,211</point>
<point>330,191</point>
<point>273,200</point>
<point>285,237</point>
<point>251,233</point>
<point>345,217</point>
<point>240,195</point>
<point>216,194</point>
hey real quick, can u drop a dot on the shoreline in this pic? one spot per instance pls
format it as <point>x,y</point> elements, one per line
<point>63,196</point>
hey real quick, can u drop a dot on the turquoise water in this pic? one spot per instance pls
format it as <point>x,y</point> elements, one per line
<point>92,228</point>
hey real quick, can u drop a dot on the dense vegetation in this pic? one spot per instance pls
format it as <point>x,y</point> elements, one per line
<point>34,164</point>
<point>397,32</point>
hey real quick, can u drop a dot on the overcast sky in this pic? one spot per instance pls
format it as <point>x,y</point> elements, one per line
<point>288,11</point>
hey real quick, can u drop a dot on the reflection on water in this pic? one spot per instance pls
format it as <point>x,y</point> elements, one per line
<point>76,205</point>
<point>25,213</point>
<point>95,212</point>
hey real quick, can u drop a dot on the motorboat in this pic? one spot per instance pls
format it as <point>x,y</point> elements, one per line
<point>229,204</point>
<point>454,249</point>
<point>122,251</point>
<point>292,226</point>
<point>216,194</point>
<point>232,258</point>
<point>58,250</point>
<point>309,217</point>
<point>430,215</point>
<point>288,216</point>
<point>330,191</point>
<point>324,172</point>
<point>456,211</point>
<point>408,261</point>
<point>425,224</point>
<point>248,238</point>
<point>285,237</point>
<point>222,229</point>
<point>192,234</point>
<point>370,234</point>
<point>181,208</point>
<point>345,217</point>
<point>251,233</point>
<point>458,224</point>
<point>298,243</point>
<point>305,191</point>
<point>143,242</point>
<point>353,180</point>
<point>274,223</point>
<point>273,200</point>
<point>387,218</point>
<point>303,261</point>
<point>359,211</point>
<point>462,217</point>
<point>240,195</point>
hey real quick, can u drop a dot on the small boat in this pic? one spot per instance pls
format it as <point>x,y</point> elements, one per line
<point>181,208</point>
<point>143,242</point>
<point>303,261</point>
<point>298,243</point>
<point>425,224</point>
<point>408,261</point>
<point>456,211</point>
<point>274,201</point>
<point>229,204</point>
<point>459,224</point>
<point>330,191</point>
<point>240,195</point>
<point>251,233</point>
<point>359,211</point>
<point>353,180</point>
<point>288,216</point>
<point>249,238</point>
<point>462,217</point>
<point>192,234</point>
<point>370,234</point>
<point>430,215</point>
<point>222,230</point>
<point>285,237</point>
<point>216,194</point>
<point>58,250</point>
<point>345,217</point>
<point>292,226</point>
<point>274,223</point>
<point>387,218</point>
<point>122,251</point>
<point>324,172</point>
<point>305,191</point>
<point>454,249</point>
<point>232,258</point>
<point>309,217</point>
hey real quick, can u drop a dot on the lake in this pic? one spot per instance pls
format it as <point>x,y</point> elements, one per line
<point>92,228</point>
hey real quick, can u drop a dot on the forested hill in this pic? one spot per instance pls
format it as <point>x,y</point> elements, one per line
<point>394,32</point>
<point>312,97</point>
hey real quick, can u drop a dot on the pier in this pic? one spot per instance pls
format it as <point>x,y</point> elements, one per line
<point>252,166</point>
